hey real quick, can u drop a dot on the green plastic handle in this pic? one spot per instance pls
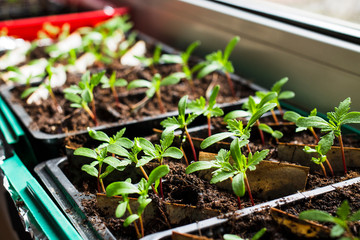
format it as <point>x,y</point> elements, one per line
<point>9,125</point>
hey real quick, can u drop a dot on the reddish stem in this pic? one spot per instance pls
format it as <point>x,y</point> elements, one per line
<point>191,143</point>
<point>186,160</point>
<point>249,190</point>
<point>161,189</point>
<point>323,169</point>
<point>113,90</point>
<point>330,168</point>
<point>261,132</point>
<point>314,134</point>
<point>274,117</point>
<point>147,179</point>
<point>231,85</point>
<point>248,147</point>
<point>161,106</point>
<point>280,110</point>
<point>209,125</point>
<point>94,112</point>
<point>342,153</point>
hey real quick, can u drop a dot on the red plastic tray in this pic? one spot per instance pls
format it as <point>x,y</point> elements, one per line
<point>27,28</point>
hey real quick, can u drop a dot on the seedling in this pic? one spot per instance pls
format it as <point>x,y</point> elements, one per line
<point>199,107</point>
<point>332,127</point>
<point>159,152</point>
<point>183,59</point>
<point>235,127</point>
<point>342,221</point>
<point>125,188</point>
<point>82,94</point>
<point>21,77</point>
<point>280,96</point>
<point>112,83</point>
<point>47,85</point>
<point>219,61</point>
<point>274,133</point>
<point>181,122</point>
<point>151,62</point>
<point>257,109</point>
<point>257,236</point>
<point>293,117</point>
<point>154,87</point>
<point>100,154</point>
<point>131,156</point>
<point>321,150</point>
<point>235,171</point>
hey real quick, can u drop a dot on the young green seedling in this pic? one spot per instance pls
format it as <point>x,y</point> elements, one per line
<point>125,188</point>
<point>21,77</point>
<point>112,83</point>
<point>183,59</point>
<point>332,127</point>
<point>199,107</point>
<point>280,96</point>
<point>319,149</point>
<point>293,117</point>
<point>235,127</point>
<point>254,108</point>
<point>274,133</point>
<point>159,152</point>
<point>219,61</point>
<point>47,85</point>
<point>151,62</point>
<point>342,221</point>
<point>181,122</point>
<point>82,94</point>
<point>257,236</point>
<point>154,87</point>
<point>235,171</point>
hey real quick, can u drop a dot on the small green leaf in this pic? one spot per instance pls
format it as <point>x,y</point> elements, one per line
<point>316,215</point>
<point>116,163</point>
<point>352,117</point>
<point>86,152</point>
<point>286,95</point>
<point>118,150</point>
<point>158,173</point>
<point>120,188</point>
<point>182,105</point>
<point>146,144</point>
<point>343,210</point>
<point>215,138</point>
<point>337,231</point>
<point>139,83</point>
<point>173,152</point>
<point>236,114</point>
<point>198,166</point>
<point>98,135</point>
<point>121,209</point>
<point>220,176</point>
<point>267,107</point>
<point>28,91</point>
<point>355,217</point>
<point>259,234</point>
<point>208,69</point>
<point>232,237</point>
<point>312,121</point>
<point>92,171</point>
<point>291,116</point>
<point>214,93</point>
<point>238,185</point>
<point>230,47</point>
<point>130,219</point>
<point>170,58</point>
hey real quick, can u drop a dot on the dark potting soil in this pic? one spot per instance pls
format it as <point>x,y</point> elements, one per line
<point>248,225</point>
<point>46,119</point>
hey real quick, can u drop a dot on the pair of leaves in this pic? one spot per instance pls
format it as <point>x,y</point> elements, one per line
<point>113,82</point>
<point>199,106</point>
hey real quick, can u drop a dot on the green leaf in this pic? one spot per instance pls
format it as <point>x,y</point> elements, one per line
<point>337,231</point>
<point>343,210</point>
<point>266,99</point>
<point>316,215</point>
<point>214,139</point>
<point>186,55</point>
<point>220,176</point>
<point>171,123</point>
<point>198,166</point>
<point>107,171</point>
<point>120,83</point>
<point>120,188</point>
<point>291,116</point>
<point>286,95</point>
<point>144,160</point>
<point>86,95</point>
<point>73,98</point>
<point>208,69</point>
<point>146,145</point>
<point>326,142</point>
<point>230,47</point>
<point>124,142</point>
<point>257,157</point>
<point>267,107</point>
<point>28,91</point>
<point>266,128</point>
<point>116,163</point>
<point>277,134</point>
<point>91,170</point>
<point>355,216</point>
<point>236,114</point>
<point>130,219</point>
<point>173,152</point>
<point>216,112</point>
<point>343,108</point>
<point>172,79</point>
<point>238,185</point>
<point>352,117</point>
<point>259,234</point>
<point>121,209</point>
<point>182,105</point>
<point>170,58</point>
<point>232,237</point>
<point>278,85</point>
<point>214,93</point>
<point>118,150</point>
<point>312,121</point>
<point>86,152</point>
<point>157,173</point>
<point>98,135</point>
<point>139,83</point>
<point>167,138</point>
